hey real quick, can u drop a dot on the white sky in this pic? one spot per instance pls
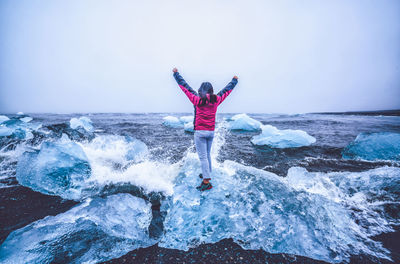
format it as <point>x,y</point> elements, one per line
<point>117,56</point>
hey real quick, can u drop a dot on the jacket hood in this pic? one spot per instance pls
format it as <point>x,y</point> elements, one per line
<point>205,88</point>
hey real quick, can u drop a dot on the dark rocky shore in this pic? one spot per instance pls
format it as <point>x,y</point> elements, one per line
<point>224,251</point>
<point>227,251</point>
<point>31,206</point>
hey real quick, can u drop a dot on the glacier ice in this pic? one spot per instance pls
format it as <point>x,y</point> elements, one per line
<point>97,230</point>
<point>18,129</point>
<point>137,151</point>
<point>83,122</point>
<point>374,146</point>
<point>172,121</point>
<point>3,118</point>
<point>186,119</point>
<point>189,127</point>
<point>243,122</point>
<point>113,149</point>
<point>124,160</point>
<point>371,192</point>
<point>259,209</point>
<point>26,119</point>
<point>287,138</point>
<point>58,168</point>
<point>5,131</point>
<point>75,170</point>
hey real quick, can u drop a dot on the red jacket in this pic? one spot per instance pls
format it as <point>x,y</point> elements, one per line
<point>204,116</point>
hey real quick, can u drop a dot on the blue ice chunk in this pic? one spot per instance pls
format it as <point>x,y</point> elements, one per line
<point>287,138</point>
<point>14,123</point>
<point>26,119</point>
<point>259,209</point>
<point>97,230</point>
<point>172,121</point>
<point>83,122</point>
<point>58,168</point>
<point>374,146</point>
<point>3,118</point>
<point>19,129</point>
<point>185,122</point>
<point>137,150</point>
<point>189,127</point>
<point>5,131</point>
<point>114,149</point>
<point>243,122</point>
<point>186,119</point>
<point>369,192</point>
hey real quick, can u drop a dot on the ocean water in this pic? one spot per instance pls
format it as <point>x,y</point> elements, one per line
<point>92,189</point>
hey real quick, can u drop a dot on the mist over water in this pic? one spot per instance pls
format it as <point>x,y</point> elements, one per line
<point>291,57</point>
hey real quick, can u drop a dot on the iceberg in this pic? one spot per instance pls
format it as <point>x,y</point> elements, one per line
<point>3,118</point>
<point>186,119</point>
<point>18,129</point>
<point>58,168</point>
<point>119,160</point>
<point>189,127</point>
<point>243,122</point>
<point>259,209</point>
<point>5,131</point>
<point>26,119</point>
<point>113,149</point>
<point>138,150</point>
<point>172,121</point>
<point>78,134</point>
<point>83,122</point>
<point>97,230</point>
<point>374,146</point>
<point>287,138</point>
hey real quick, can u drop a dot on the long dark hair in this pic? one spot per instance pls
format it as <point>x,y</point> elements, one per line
<point>206,88</point>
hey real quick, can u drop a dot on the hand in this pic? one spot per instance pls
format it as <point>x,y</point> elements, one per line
<point>235,77</point>
<point>174,69</point>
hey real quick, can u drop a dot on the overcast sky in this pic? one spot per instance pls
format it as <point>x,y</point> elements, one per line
<point>117,56</point>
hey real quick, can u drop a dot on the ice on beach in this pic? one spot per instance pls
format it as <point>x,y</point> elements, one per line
<point>3,118</point>
<point>189,127</point>
<point>19,129</point>
<point>83,122</point>
<point>137,151</point>
<point>172,121</point>
<point>259,209</point>
<point>243,122</point>
<point>186,119</point>
<point>287,138</point>
<point>26,119</point>
<point>5,131</point>
<point>58,168</point>
<point>374,146</point>
<point>115,150</point>
<point>97,230</point>
<point>124,160</point>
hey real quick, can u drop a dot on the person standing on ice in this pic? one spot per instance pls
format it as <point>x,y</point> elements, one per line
<point>205,104</point>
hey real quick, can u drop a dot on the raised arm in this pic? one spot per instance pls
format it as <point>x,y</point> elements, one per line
<point>190,93</point>
<point>228,89</point>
